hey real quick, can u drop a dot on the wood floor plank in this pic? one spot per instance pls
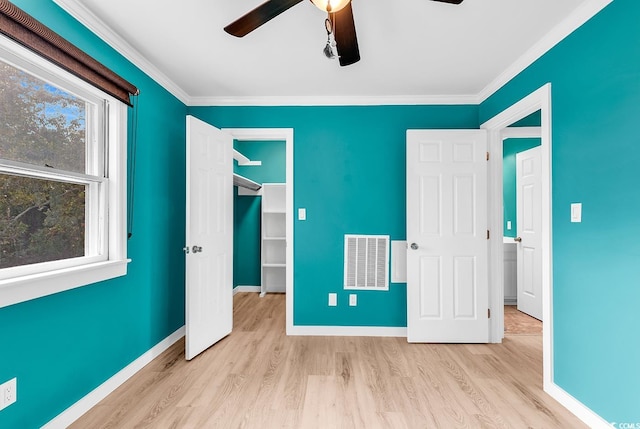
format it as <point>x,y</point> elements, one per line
<point>259,378</point>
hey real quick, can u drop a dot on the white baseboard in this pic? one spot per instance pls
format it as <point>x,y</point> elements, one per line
<point>239,289</point>
<point>347,331</point>
<point>74,412</point>
<point>580,410</point>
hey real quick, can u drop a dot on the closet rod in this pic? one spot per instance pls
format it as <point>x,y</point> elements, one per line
<point>243,182</point>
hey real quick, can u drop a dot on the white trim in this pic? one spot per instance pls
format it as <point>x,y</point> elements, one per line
<point>242,289</point>
<point>580,15</point>
<point>521,133</point>
<point>348,331</point>
<point>87,18</point>
<point>286,134</point>
<point>538,100</point>
<point>74,412</point>
<point>25,288</point>
<point>581,411</point>
<point>337,100</point>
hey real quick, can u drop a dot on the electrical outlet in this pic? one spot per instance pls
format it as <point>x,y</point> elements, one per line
<point>333,299</point>
<point>8,393</point>
<point>353,300</point>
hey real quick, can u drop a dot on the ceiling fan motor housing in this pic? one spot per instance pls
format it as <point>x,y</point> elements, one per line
<point>330,5</point>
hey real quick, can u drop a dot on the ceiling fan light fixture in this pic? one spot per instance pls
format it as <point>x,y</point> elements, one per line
<point>330,5</point>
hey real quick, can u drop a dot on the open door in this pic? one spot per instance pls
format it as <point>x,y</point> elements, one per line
<point>447,262</point>
<point>529,239</point>
<point>209,237</point>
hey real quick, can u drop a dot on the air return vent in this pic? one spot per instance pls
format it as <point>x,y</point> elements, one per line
<point>366,262</point>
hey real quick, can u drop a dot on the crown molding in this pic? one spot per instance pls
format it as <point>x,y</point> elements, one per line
<point>582,14</point>
<point>336,100</point>
<point>82,14</point>
<point>104,32</point>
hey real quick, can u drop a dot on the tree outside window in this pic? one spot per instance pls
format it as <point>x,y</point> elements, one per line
<point>41,219</point>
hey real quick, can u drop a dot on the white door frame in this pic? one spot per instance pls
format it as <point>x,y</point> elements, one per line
<point>538,100</point>
<point>278,134</point>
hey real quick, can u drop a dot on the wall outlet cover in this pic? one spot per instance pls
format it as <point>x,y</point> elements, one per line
<point>8,393</point>
<point>353,300</point>
<point>333,299</point>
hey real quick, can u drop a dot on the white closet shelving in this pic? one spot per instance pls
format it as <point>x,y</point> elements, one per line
<point>274,239</point>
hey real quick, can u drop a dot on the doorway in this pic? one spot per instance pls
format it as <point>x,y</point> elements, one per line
<point>522,218</point>
<point>286,135</point>
<point>540,100</point>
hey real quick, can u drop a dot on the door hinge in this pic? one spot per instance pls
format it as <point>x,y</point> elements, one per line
<point>488,235</point>
<point>487,156</point>
<point>489,313</point>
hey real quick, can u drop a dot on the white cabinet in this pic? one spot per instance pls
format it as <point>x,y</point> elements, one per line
<point>274,239</point>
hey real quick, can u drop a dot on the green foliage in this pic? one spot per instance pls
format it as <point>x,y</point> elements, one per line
<point>40,220</point>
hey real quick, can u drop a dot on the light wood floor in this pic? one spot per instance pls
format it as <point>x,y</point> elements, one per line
<point>519,323</point>
<point>260,378</point>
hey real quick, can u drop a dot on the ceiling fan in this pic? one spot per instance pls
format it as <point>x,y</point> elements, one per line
<point>340,24</point>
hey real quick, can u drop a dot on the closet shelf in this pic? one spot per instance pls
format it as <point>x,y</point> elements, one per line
<point>243,182</point>
<point>243,160</point>
<point>275,238</point>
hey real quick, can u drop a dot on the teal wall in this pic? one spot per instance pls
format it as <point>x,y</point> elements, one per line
<point>247,211</point>
<point>510,148</point>
<point>595,78</point>
<point>349,173</point>
<point>62,346</point>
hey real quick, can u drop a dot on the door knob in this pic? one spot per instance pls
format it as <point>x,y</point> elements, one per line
<point>196,249</point>
<point>517,239</point>
<point>414,246</point>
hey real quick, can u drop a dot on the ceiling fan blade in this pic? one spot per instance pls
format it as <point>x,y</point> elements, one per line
<point>344,31</point>
<point>258,16</point>
<point>450,1</point>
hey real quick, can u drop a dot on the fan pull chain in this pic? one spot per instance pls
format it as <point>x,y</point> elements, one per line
<point>328,50</point>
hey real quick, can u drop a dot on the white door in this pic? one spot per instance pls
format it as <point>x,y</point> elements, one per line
<point>209,236</point>
<point>447,263</point>
<point>529,220</point>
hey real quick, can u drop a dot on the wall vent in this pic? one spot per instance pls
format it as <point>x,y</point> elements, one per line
<point>366,262</point>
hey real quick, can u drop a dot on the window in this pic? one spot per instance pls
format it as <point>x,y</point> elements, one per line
<point>62,179</point>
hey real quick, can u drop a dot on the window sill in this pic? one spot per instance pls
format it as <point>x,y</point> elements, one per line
<point>25,288</point>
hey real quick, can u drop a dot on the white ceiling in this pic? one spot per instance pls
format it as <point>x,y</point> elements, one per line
<point>409,48</point>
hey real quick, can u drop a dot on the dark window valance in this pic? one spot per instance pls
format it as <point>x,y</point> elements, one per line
<point>29,32</point>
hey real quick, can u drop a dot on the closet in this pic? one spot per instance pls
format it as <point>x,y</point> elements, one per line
<point>260,217</point>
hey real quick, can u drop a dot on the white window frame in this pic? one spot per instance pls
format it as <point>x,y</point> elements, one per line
<point>109,248</point>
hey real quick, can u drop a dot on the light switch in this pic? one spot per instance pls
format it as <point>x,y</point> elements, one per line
<point>302,214</point>
<point>508,225</point>
<point>576,212</point>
